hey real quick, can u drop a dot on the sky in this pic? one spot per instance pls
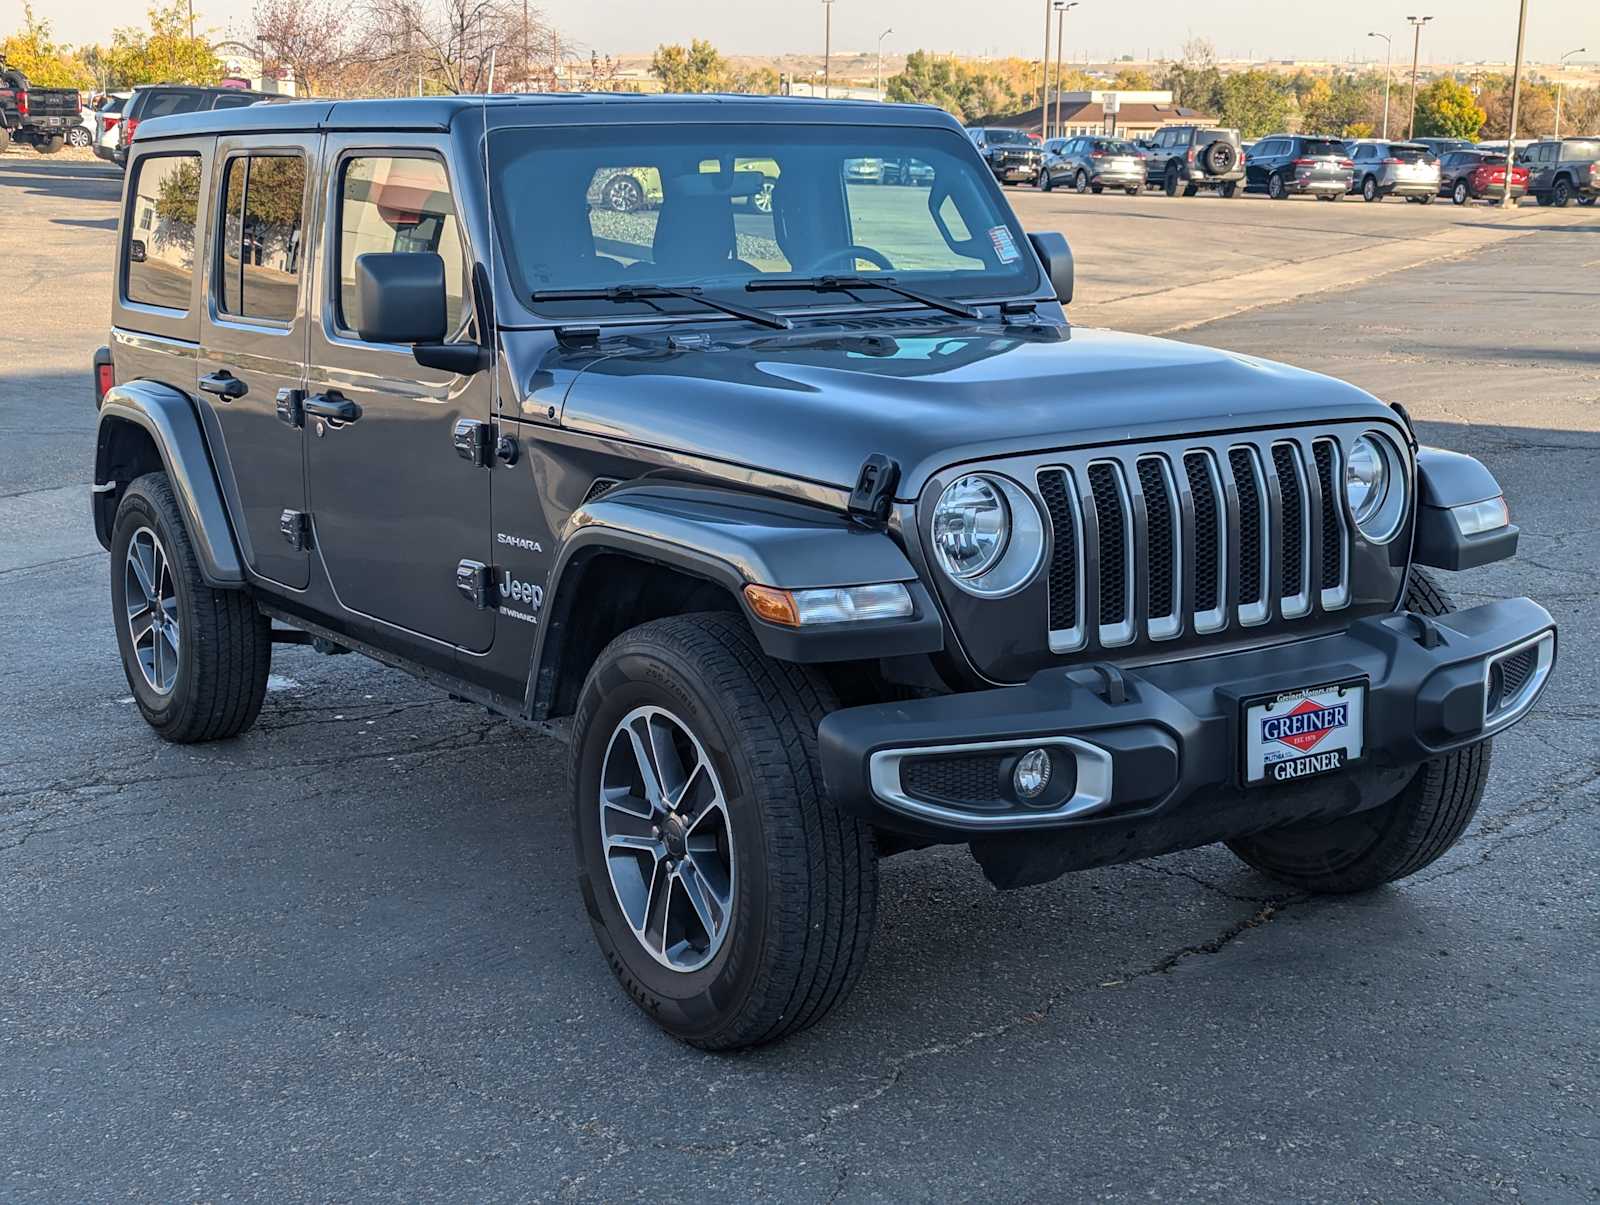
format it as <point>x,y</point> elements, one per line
<point>1462,30</point>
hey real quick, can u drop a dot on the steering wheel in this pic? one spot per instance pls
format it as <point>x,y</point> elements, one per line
<point>849,255</point>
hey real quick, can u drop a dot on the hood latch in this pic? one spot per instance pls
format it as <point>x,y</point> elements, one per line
<point>874,491</point>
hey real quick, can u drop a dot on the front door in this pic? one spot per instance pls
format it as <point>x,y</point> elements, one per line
<point>253,339</point>
<point>394,507</point>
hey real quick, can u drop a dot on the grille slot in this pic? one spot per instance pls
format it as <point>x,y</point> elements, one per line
<point>1115,564</point>
<point>1237,533</point>
<point>964,781</point>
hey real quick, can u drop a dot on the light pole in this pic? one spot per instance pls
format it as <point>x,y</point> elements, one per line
<point>1388,70</point>
<point>1044,73</point>
<point>1516,97</point>
<point>827,49</point>
<point>1061,7</point>
<point>881,37</point>
<point>1559,86</point>
<point>1416,47</point>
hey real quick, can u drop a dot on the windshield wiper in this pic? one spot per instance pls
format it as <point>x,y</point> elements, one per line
<point>652,292</point>
<point>843,284</point>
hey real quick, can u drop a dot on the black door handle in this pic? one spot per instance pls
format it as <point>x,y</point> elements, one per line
<point>334,405</point>
<point>224,384</point>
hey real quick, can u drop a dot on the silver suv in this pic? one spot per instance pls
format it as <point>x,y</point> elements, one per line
<point>1401,169</point>
<point>1092,164</point>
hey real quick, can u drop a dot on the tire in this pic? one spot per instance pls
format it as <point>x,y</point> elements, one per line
<point>763,198</point>
<point>1395,839</point>
<point>799,877</point>
<point>51,145</point>
<point>1080,182</point>
<point>1587,201</point>
<point>1170,184</point>
<point>1218,159</point>
<point>1044,183</point>
<point>1460,194</point>
<point>1097,189</point>
<point>622,194</point>
<point>1135,191</point>
<point>1561,193</point>
<point>1190,189</point>
<point>1276,188</point>
<point>1543,198</point>
<point>1427,199</point>
<point>220,641</point>
<point>1369,189</point>
<point>78,136</point>
<point>1229,189</point>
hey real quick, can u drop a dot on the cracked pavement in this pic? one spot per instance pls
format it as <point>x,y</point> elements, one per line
<point>343,957</point>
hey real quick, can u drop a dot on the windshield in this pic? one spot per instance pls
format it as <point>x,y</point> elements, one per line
<point>720,206</point>
<point>1007,136</point>
<point>1115,146</point>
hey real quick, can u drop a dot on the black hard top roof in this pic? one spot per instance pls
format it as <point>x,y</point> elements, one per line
<point>436,113</point>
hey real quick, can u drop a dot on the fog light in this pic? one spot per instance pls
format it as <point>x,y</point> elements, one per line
<point>1032,774</point>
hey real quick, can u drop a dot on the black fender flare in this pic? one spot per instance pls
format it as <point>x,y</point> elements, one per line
<point>167,416</point>
<point>1448,479</point>
<point>734,539</point>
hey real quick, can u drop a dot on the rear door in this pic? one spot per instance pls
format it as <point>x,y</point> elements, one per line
<point>253,340</point>
<point>395,508</point>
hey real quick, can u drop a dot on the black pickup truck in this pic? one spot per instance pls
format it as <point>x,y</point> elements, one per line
<point>39,117</point>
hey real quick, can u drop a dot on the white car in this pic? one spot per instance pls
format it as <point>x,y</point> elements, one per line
<point>106,119</point>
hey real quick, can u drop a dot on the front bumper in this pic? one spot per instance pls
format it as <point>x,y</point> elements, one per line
<point>1156,752</point>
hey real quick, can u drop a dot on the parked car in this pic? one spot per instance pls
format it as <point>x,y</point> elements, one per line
<point>1092,163</point>
<point>1469,175</point>
<point>1287,165</point>
<point>42,118</point>
<point>1012,155</point>
<point>809,563</point>
<point>1399,169</point>
<point>1194,157</point>
<point>1563,170</point>
<point>907,171</point>
<point>1439,147</point>
<point>167,100</point>
<point>82,134</point>
<point>107,117</point>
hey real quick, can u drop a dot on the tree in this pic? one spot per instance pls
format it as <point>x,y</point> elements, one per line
<point>162,54</point>
<point>1253,103</point>
<point>1536,111</point>
<point>449,45</point>
<point>1194,80</point>
<point>1134,79</point>
<point>311,38</point>
<point>46,64</point>
<point>699,67</point>
<point>1342,106</point>
<point>1447,109</point>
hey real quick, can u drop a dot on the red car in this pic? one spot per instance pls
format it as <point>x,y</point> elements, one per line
<point>1467,175</point>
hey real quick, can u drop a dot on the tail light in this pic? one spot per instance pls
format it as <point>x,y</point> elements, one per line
<point>22,104</point>
<point>1347,163</point>
<point>112,123</point>
<point>1190,155</point>
<point>1391,160</point>
<point>129,125</point>
<point>1097,154</point>
<point>105,376</point>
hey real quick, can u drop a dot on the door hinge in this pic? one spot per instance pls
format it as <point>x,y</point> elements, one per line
<point>472,441</point>
<point>291,407</point>
<point>874,491</point>
<point>296,528</point>
<point>475,580</point>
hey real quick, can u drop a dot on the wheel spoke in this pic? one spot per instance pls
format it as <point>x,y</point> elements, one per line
<point>141,569</point>
<point>709,911</point>
<point>140,622</point>
<point>649,779</point>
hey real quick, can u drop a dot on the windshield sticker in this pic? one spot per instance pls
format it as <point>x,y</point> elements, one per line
<point>1004,245</point>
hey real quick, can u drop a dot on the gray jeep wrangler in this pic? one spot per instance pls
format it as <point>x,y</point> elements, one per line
<point>816,531</point>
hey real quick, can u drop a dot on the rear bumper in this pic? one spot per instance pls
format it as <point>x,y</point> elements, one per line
<point>1412,188</point>
<point>1337,186</point>
<point>1119,178</point>
<point>1155,753</point>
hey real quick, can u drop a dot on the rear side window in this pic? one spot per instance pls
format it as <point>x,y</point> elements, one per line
<point>236,100</point>
<point>397,204</point>
<point>160,230</point>
<point>165,104</point>
<point>1588,149</point>
<point>1322,146</point>
<point>258,272</point>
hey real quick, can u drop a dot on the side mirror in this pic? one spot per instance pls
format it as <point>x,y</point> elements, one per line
<point>1056,257</point>
<point>402,297</point>
<point>136,251</point>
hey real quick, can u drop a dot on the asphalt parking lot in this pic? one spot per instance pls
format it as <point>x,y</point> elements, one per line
<point>344,958</point>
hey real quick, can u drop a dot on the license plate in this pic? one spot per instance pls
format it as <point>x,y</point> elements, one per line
<point>1299,733</point>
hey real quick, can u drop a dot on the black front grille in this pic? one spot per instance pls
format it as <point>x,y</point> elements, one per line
<point>1241,460</point>
<point>1173,551</point>
<point>1113,544</point>
<point>1064,563</point>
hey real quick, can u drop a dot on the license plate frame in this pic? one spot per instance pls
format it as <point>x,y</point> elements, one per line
<point>1280,754</point>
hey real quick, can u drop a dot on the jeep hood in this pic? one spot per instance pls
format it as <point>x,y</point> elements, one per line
<point>812,406</point>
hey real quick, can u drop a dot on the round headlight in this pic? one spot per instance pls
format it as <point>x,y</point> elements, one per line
<point>1366,479</point>
<point>971,526</point>
<point>1375,487</point>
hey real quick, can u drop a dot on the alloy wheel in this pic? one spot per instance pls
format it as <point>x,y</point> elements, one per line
<point>668,839</point>
<point>151,597</point>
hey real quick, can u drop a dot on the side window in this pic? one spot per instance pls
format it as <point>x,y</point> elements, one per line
<point>236,101</point>
<point>391,203</point>
<point>258,271</point>
<point>163,207</point>
<point>898,223</point>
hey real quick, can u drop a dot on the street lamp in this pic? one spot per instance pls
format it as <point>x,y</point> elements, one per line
<point>1516,97</point>
<point>881,37</point>
<point>1044,74</point>
<point>1562,61</point>
<point>1061,7</point>
<point>1416,47</point>
<point>1388,64</point>
<point>827,49</point>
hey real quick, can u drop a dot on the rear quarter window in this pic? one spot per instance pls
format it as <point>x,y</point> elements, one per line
<point>159,233</point>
